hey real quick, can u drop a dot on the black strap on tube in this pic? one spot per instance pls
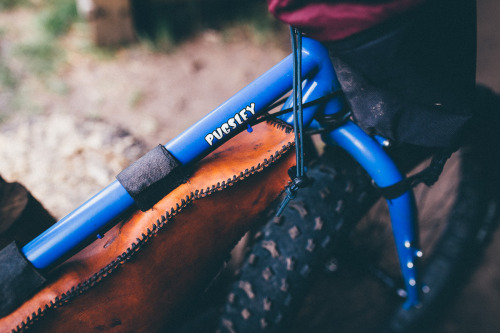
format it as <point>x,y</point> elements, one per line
<point>428,176</point>
<point>19,279</point>
<point>152,177</point>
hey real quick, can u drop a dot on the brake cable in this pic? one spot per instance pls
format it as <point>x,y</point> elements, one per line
<point>300,180</point>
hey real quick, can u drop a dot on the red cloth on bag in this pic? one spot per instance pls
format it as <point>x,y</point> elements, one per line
<point>330,20</point>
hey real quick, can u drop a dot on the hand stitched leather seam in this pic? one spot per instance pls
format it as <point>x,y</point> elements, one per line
<point>279,124</point>
<point>150,232</point>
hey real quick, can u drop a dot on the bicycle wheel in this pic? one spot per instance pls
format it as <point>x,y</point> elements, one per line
<point>283,286</point>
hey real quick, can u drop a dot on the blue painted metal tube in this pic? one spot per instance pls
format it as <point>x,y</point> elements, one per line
<point>192,143</point>
<point>68,233</point>
<point>323,83</point>
<point>384,172</point>
<point>78,226</point>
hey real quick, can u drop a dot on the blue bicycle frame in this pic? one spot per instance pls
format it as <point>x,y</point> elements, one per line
<point>226,121</point>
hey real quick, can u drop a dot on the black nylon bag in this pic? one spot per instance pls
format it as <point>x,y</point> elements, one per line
<point>412,79</point>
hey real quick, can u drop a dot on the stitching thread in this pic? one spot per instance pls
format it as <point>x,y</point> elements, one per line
<point>150,232</point>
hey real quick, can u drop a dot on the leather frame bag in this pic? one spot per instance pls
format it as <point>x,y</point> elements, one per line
<point>147,269</point>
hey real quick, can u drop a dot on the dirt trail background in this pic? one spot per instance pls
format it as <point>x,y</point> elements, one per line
<point>103,109</point>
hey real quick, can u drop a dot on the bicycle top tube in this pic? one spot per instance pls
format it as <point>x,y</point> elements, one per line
<point>199,140</point>
<point>214,128</point>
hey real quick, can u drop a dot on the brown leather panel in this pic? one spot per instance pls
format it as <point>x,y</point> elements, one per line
<point>146,270</point>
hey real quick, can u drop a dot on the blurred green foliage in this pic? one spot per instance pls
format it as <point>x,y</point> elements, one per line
<point>167,22</point>
<point>40,57</point>
<point>57,16</point>
<point>9,4</point>
<point>7,79</point>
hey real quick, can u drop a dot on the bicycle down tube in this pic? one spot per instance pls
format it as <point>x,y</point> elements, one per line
<point>221,124</point>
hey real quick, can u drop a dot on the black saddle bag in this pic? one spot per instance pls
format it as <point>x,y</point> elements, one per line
<point>412,79</point>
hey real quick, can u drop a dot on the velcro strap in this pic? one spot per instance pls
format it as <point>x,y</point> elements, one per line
<point>428,176</point>
<point>396,190</point>
<point>18,279</point>
<point>329,122</point>
<point>151,177</point>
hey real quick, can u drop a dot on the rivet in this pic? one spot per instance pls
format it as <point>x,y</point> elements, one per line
<point>402,293</point>
<point>419,254</point>
<point>409,265</point>
<point>407,244</point>
<point>412,282</point>
<point>426,289</point>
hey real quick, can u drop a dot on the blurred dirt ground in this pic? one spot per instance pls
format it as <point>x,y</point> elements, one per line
<point>154,96</point>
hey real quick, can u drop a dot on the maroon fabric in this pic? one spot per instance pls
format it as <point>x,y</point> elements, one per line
<point>329,20</point>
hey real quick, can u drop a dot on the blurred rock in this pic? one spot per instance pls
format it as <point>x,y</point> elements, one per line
<point>64,160</point>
